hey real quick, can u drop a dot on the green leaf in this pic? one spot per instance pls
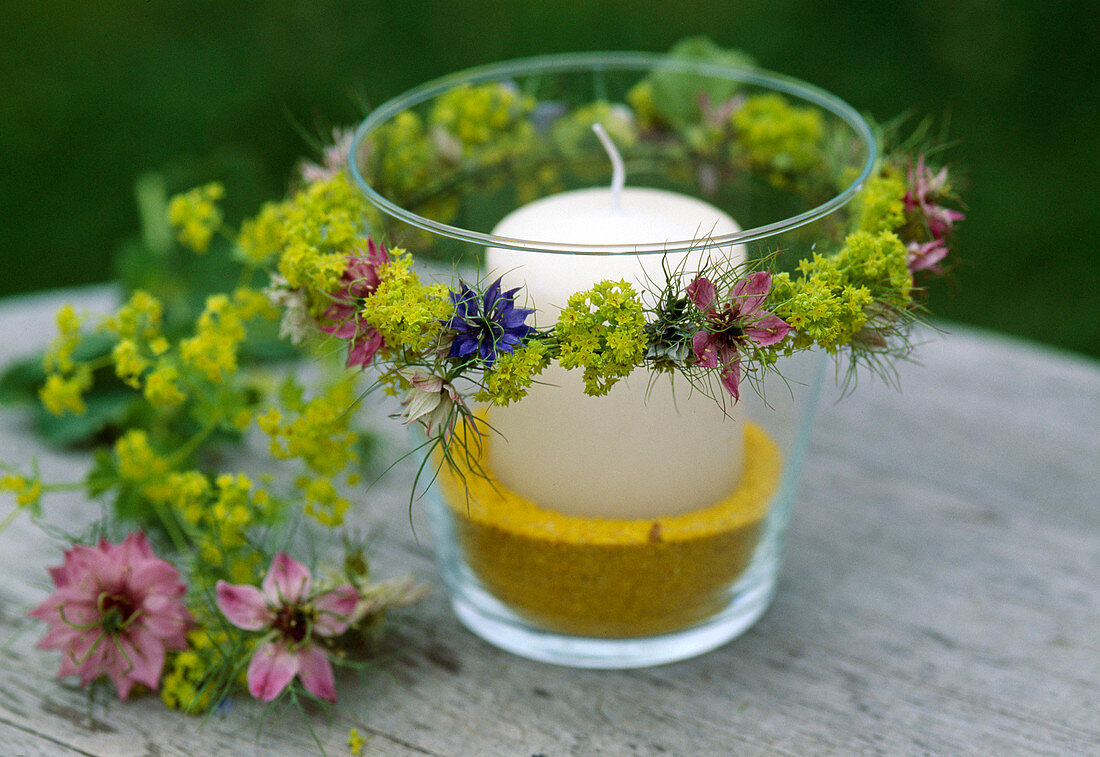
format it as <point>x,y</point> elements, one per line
<point>676,94</point>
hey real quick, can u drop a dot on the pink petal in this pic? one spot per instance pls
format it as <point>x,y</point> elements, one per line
<point>154,575</point>
<point>117,667</point>
<point>244,606</point>
<point>731,377</point>
<point>134,546</point>
<point>73,656</point>
<point>271,669</point>
<point>361,351</point>
<point>767,331</point>
<point>146,653</point>
<point>287,582</point>
<point>703,294</point>
<point>333,609</point>
<point>705,347</point>
<point>315,670</point>
<point>748,294</point>
<point>77,606</point>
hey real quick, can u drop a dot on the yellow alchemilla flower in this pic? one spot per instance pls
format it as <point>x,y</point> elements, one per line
<point>59,356</point>
<point>136,460</point>
<point>312,234</point>
<point>355,742</point>
<point>60,395</point>
<point>141,316</point>
<point>196,215</point>
<point>323,501</point>
<point>773,133</point>
<point>129,364</point>
<point>28,492</point>
<point>603,331</point>
<point>513,373</point>
<point>880,205</point>
<point>190,494</point>
<point>218,335</point>
<point>319,433</point>
<point>162,387</point>
<point>409,315</point>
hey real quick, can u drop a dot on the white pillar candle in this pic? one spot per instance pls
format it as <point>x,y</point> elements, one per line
<point>647,449</point>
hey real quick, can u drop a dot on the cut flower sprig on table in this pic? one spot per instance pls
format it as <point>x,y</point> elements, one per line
<point>189,541</point>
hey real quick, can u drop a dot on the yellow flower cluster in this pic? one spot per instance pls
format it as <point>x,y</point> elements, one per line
<point>488,120</point>
<point>317,432</point>
<point>196,215</point>
<point>136,460</point>
<point>218,518</point>
<point>403,158</point>
<point>879,206</point>
<point>162,388</point>
<point>28,492</point>
<point>833,299</point>
<point>513,373</point>
<point>774,134</point>
<point>220,330</point>
<point>405,312</point>
<point>66,380</point>
<point>129,364</point>
<point>59,356</point>
<point>141,316</point>
<point>322,501</point>
<point>355,742</point>
<point>311,235</point>
<point>60,394</point>
<point>603,331</point>
<point>189,680</point>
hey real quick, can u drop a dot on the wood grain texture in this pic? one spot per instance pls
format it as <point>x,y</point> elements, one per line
<point>940,596</point>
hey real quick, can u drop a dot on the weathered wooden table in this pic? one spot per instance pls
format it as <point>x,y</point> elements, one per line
<point>941,595</point>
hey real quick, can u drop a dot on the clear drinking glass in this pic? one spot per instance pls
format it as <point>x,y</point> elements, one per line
<point>443,164</point>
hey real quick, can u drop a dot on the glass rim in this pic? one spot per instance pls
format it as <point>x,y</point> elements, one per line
<point>594,61</point>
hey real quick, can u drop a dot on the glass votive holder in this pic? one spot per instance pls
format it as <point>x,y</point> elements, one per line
<point>647,525</point>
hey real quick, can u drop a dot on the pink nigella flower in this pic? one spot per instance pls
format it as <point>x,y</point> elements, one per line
<point>740,322</point>
<point>343,318</point>
<point>922,197</point>
<point>116,609</point>
<point>926,256</point>
<point>292,617</point>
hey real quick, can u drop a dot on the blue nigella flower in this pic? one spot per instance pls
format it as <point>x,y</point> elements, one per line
<point>488,325</point>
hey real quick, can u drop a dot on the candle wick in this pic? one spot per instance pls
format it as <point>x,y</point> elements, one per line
<point>618,171</point>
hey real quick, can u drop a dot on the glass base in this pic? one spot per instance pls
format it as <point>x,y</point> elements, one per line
<point>495,623</point>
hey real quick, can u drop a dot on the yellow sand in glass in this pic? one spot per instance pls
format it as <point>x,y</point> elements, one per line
<point>610,578</point>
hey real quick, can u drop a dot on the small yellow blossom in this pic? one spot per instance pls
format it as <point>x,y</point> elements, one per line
<point>129,364</point>
<point>137,462</point>
<point>775,134</point>
<point>28,493</point>
<point>162,386</point>
<point>513,373</point>
<point>603,331</point>
<point>59,356</point>
<point>60,394</point>
<point>355,742</point>
<point>218,336</point>
<point>196,215</point>
<point>141,316</point>
<point>408,314</point>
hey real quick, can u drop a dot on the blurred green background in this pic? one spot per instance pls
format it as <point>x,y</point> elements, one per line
<point>94,94</point>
